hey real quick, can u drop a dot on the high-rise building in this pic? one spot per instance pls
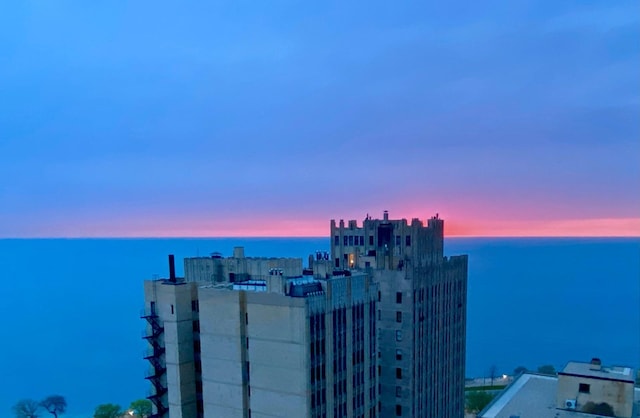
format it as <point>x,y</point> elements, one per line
<point>375,328</point>
<point>262,345</point>
<point>421,313</point>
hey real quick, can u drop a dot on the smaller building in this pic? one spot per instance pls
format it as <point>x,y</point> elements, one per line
<point>581,390</point>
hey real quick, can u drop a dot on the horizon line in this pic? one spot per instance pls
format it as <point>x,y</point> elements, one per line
<point>296,236</point>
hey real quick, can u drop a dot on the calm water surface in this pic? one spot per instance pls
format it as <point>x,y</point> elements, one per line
<point>70,308</point>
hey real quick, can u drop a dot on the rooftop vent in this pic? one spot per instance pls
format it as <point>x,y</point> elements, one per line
<point>596,364</point>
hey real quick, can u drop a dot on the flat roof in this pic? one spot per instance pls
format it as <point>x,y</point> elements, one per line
<point>534,396</point>
<point>617,373</point>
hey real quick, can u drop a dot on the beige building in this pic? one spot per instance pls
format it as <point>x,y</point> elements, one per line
<point>266,346</point>
<point>584,386</point>
<point>581,390</point>
<point>374,328</point>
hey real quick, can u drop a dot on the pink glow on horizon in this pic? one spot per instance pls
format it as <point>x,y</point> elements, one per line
<point>252,227</point>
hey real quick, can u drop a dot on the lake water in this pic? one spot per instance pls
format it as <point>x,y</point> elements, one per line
<point>70,308</point>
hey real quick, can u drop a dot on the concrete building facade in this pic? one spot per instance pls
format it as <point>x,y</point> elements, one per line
<point>374,328</point>
<point>266,346</point>
<point>421,314</point>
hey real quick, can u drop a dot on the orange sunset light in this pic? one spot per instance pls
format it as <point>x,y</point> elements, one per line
<point>614,227</point>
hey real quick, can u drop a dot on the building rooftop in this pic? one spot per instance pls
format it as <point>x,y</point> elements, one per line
<point>623,374</point>
<point>534,396</point>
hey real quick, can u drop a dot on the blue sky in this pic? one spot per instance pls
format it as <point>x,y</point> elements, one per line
<point>217,118</point>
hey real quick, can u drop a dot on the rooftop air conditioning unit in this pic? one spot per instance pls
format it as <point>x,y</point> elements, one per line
<point>570,404</point>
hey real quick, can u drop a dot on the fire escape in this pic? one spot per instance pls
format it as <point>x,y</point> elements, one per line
<point>154,356</point>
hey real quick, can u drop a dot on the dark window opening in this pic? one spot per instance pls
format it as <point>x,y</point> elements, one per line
<point>398,316</point>
<point>584,388</point>
<point>385,232</point>
<point>398,354</point>
<point>336,240</point>
<point>398,373</point>
<point>407,241</point>
<point>370,239</point>
<point>398,297</point>
<point>172,312</point>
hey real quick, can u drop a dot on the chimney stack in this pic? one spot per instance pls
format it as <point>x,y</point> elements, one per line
<point>172,269</point>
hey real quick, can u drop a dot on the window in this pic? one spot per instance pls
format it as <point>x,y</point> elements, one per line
<point>398,354</point>
<point>195,306</point>
<point>398,373</point>
<point>336,240</point>
<point>196,326</point>
<point>379,296</point>
<point>361,240</point>
<point>351,240</point>
<point>398,297</point>
<point>337,262</point>
<point>584,388</point>
<point>398,391</point>
<point>172,312</point>
<point>398,240</point>
<point>407,241</point>
<point>398,410</point>
<point>246,318</point>
<point>398,335</point>
<point>398,316</point>
<point>370,239</point>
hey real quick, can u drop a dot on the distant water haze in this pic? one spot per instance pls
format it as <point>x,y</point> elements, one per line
<point>71,307</point>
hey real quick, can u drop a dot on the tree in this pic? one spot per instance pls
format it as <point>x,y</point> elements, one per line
<point>547,369</point>
<point>107,410</point>
<point>54,404</point>
<point>141,407</point>
<point>519,370</point>
<point>26,408</point>
<point>602,408</point>
<point>493,372</point>
<point>477,400</point>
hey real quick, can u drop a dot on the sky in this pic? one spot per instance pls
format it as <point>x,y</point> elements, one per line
<point>271,118</point>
